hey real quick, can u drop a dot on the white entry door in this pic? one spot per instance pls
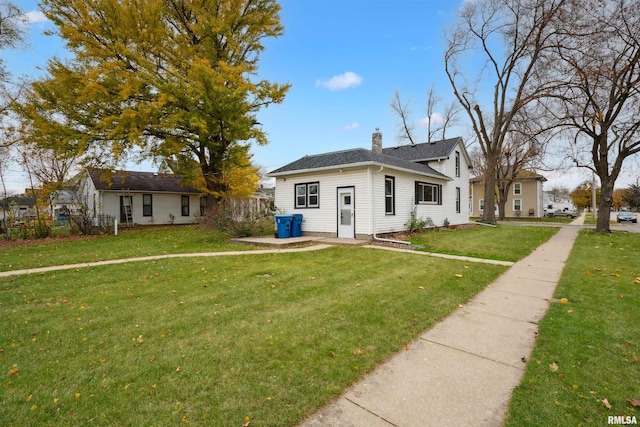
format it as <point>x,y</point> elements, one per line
<point>346,213</point>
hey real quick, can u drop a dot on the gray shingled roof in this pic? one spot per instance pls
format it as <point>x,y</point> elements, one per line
<point>138,181</point>
<point>425,151</point>
<point>356,156</point>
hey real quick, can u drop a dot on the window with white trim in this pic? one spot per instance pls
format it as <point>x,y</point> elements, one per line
<point>517,188</point>
<point>427,193</point>
<point>184,205</point>
<point>457,199</point>
<point>147,205</point>
<point>481,206</point>
<point>517,205</point>
<point>389,195</point>
<point>457,163</point>
<point>307,195</point>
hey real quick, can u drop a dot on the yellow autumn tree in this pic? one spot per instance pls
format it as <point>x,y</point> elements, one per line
<point>176,80</point>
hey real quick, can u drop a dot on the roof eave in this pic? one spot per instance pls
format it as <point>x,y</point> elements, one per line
<point>355,165</point>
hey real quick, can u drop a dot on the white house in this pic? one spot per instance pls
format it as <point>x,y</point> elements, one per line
<point>360,193</point>
<point>142,198</point>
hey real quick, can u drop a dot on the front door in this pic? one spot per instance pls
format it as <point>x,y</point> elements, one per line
<point>346,213</point>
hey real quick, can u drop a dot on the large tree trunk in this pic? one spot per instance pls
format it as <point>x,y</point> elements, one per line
<point>489,214</point>
<point>603,224</point>
<point>216,188</point>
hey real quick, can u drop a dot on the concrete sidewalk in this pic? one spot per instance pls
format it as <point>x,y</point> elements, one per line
<point>462,371</point>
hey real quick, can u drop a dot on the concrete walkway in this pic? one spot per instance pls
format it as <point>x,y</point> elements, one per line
<point>462,371</point>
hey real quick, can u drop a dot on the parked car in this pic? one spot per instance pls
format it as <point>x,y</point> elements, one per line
<point>627,216</point>
<point>560,212</point>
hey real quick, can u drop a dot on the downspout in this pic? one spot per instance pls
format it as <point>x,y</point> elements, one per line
<point>373,214</point>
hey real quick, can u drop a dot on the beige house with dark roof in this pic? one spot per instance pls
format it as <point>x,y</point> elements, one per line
<point>525,196</point>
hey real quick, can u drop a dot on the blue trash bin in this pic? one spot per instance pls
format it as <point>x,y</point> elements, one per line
<point>296,225</point>
<point>283,226</point>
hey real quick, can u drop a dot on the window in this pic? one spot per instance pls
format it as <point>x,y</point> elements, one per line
<point>517,205</point>
<point>481,204</point>
<point>457,163</point>
<point>428,193</point>
<point>457,199</point>
<point>185,205</point>
<point>308,195</point>
<point>389,195</point>
<point>147,205</point>
<point>517,188</point>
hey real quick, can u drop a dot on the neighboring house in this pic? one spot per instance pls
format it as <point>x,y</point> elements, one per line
<point>360,193</point>
<point>143,198</point>
<point>553,202</point>
<point>19,207</point>
<point>525,197</point>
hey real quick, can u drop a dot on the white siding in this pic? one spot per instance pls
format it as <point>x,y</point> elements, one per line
<point>163,206</point>
<point>324,218</point>
<point>370,198</point>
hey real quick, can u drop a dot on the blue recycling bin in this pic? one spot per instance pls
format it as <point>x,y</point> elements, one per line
<point>283,226</point>
<point>296,225</point>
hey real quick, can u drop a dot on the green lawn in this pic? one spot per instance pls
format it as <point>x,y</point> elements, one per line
<point>128,243</point>
<point>503,242</point>
<point>587,354</point>
<point>216,341</point>
<point>553,220</point>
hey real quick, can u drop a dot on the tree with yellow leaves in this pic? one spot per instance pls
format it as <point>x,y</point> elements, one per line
<point>174,79</point>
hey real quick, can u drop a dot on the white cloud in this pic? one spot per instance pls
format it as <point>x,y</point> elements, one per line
<point>35,16</point>
<point>436,119</point>
<point>341,81</point>
<point>352,126</point>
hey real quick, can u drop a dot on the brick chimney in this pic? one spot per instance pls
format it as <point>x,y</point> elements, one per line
<point>376,141</point>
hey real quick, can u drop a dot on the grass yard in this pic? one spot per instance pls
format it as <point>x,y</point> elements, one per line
<point>587,355</point>
<point>544,220</point>
<point>503,242</point>
<point>128,243</point>
<point>219,341</point>
<point>552,220</point>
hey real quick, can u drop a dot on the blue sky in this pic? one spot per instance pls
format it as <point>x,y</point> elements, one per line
<point>344,60</point>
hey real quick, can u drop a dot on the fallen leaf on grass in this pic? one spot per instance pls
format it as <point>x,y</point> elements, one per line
<point>14,370</point>
<point>458,275</point>
<point>553,367</point>
<point>606,403</point>
<point>563,301</point>
<point>636,280</point>
<point>28,399</point>
<point>634,402</point>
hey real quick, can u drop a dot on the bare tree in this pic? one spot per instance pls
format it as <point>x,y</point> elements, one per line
<point>4,164</point>
<point>402,110</point>
<point>511,36</point>
<point>12,36</point>
<point>599,56</point>
<point>435,122</point>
